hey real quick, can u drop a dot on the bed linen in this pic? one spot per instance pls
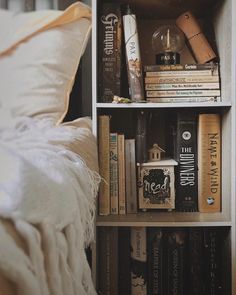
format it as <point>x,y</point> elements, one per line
<point>48,185</point>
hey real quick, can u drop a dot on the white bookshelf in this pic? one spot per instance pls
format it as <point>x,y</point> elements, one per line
<point>224,20</point>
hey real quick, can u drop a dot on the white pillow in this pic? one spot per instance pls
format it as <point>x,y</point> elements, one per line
<point>39,56</point>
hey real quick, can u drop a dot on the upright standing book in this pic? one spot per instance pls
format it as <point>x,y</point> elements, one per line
<point>109,52</point>
<point>186,156</point>
<point>209,163</point>
<point>138,261</point>
<point>104,164</point>
<point>114,182</point>
<point>121,172</point>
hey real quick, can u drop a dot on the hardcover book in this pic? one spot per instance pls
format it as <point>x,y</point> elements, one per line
<point>155,261</point>
<point>184,99</point>
<point>141,136</point>
<point>130,176</point>
<point>121,173</point>
<point>176,86</point>
<point>109,52</point>
<point>114,183</point>
<point>182,93</point>
<point>183,79</point>
<point>186,156</point>
<point>138,261</point>
<point>209,163</point>
<point>104,164</point>
<point>179,67</point>
<point>176,251</point>
<point>207,72</point>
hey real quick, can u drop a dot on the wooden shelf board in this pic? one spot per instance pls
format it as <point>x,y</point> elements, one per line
<point>164,105</point>
<point>165,219</point>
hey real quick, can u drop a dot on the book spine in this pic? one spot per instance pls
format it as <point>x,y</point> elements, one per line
<point>133,57</point>
<point>155,261</point>
<point>212,257</point>
<point>114,260</point>
<point>184,99</point>
<point>104,164</point>
<point>195,262</point>
<point>121,172</point>
<point>130,176</point>
<point>176,93</point>
<point>124,261</point>
<point>110,52</point>
<point>183,73</point>
<point>176,249</point>
<point>114,192</point>
<point>183,79</point>
<point>141,137</point>
<point>138,261</point>
<point>186,155</point>
<point>209,163</point>
<point>178,67</point>
<point>187,86</point>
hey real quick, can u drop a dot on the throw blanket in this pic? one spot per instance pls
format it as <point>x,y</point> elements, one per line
<point>49,193</point>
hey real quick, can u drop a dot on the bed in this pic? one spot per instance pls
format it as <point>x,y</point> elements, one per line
<point>49,169</point>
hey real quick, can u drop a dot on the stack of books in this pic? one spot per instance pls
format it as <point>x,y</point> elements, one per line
<point>182,83</point>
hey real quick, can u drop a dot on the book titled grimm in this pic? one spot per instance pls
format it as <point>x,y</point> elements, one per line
<point>155,261</point>
<point>209,163</point>
<point>133,57</point>
<point>186,156</point>
<point>110,52</point>
<point>138,261</point>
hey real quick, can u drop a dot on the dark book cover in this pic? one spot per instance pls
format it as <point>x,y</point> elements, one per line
<point>109,51</point>
<point>195,261</point>
<point>141,136</point>
<point>176,259</point>
<point>124,277</point>
<point>186,156</point>
<point>108,261</point>
<point>155,261</point>
<point>213,261</point>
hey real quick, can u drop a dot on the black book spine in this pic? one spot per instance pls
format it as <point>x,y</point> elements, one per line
<point>124,261</point>
<point>195,262</point>
<point>109,52</point>
<point>155,261</point>
<point>176,250</point>
<point>186,155</point>
<point>141,137</point>
<point>213,265</point>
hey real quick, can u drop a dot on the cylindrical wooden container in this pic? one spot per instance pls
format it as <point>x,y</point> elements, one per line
<point>201,48</point>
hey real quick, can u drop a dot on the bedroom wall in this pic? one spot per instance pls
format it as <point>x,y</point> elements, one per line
<point>81,103</point>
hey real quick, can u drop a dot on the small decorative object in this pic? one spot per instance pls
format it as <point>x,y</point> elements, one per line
<point>120,99</point>
<point>201,48</point>
<point>156,181</point>
<point>167,42</point>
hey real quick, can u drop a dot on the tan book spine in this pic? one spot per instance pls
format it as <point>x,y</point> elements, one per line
<point>104,165</point>
<point>209,163</point>
<point>177,93</point>
<point>114,173</point>
<point>121,172</point>
<point>209,72</point>
<point>182,79</point>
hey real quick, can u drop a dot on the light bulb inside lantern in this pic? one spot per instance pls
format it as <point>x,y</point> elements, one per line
<point>167,42</point>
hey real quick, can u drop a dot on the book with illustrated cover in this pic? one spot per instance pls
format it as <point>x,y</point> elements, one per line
<point>155,261</point>
<point>138,255</point>
<point>104,164</point>
<point>114,183</point>
<point>209,163</point>
<point>186,172</point>
<point>109,52</point>
<point>130,176</point>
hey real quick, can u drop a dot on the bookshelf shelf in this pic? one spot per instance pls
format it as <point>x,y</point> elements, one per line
<point>163,105</point>
<point>219,20</point>
<point>165,219</point>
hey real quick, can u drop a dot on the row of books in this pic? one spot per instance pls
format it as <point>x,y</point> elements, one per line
<point>128,181</point>
<point>160,261</point>
<point>182,83</point>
